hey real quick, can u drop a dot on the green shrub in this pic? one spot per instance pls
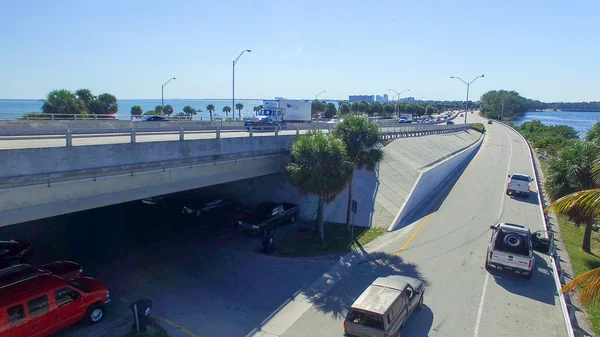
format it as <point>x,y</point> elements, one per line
<point>478,127</point>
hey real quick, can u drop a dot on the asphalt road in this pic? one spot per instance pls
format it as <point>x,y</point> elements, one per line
<point>447,249</point>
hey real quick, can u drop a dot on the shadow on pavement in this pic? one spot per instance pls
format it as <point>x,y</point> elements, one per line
<point>420,323</point>
<point>531,198</point>
<point>540,287</point>
<point>351,277</point>
<point>436,198</point>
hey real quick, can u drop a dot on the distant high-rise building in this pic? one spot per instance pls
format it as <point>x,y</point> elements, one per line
<point>378,98</point>
<point>385,97</point>
<point>408,99</point>
<point>360,98</point>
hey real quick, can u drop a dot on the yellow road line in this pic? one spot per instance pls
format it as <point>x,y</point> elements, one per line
<point>429,216</point>
<point>413,235</point>
<point>175,325</point>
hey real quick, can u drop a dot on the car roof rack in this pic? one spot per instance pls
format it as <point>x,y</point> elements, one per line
<point>18,273</point>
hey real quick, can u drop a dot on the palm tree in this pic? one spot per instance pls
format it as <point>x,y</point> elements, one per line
<point>320,166</point>
<point>226,110</point>
<point>239,107</point>
<point>360,136</point>
<point>86,96</point>
<point>582,207</point>
<point>158,109</point>
<point>168,110</point>
<point>189,111</point>
<point>63,102</point>
<point>136,110</point>
<point>210,109</point>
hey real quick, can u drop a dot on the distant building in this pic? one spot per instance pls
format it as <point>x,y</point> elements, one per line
<point>408,99</point>
<point>378,98</point>
<point>385,97</point>
<point>360,98</point>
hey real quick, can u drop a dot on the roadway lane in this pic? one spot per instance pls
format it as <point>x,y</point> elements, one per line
<point>25,142</point>
<point>447,249</point>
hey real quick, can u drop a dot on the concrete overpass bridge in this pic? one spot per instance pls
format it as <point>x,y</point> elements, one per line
<point>51,172</point>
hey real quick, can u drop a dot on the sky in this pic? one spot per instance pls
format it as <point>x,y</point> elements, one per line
<point>544,49</point>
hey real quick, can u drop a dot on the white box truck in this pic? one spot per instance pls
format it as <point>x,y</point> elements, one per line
<point>405,118</point>
<point>287,110</point>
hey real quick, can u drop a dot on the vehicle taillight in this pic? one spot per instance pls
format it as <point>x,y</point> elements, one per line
<point>386,335</point>
<point>491,254</point>
<point>255,123</point>
<point>345,325</point>
<point>508,185</point>
<point>529,264</point>
<point>528,188</point>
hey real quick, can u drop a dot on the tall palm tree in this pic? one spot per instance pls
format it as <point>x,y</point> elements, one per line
<point>361,137</point>
<point>582,206</point>
<point>168,110</point>
<point>86,96</point>
<point>319,166</point>
<point>158,109</point>
<point>136,110</point>
<point>226,110</point>
<point>239,107</point>
<point>210,109</point>
<point>189,111</point>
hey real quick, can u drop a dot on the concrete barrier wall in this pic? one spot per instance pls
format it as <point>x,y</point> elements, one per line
<point>109,124</point>
<point>431,179</point>
<point>24,164</point>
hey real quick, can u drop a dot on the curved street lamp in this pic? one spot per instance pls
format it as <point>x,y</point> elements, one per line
<point>233,84</point>
<point>162,94</point>
<point>468,84</point>
<point>398,99</point>
<point>317,95</point>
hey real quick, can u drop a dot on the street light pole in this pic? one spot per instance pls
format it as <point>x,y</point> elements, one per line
<point>317,95</point>
<point>502,116</point>
<point>468,84</point>
<point>162,95</point>
<point>398,100</point>
<point>233,83</point>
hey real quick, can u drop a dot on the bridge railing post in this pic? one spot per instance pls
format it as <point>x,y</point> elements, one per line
<point>297,129</point>
<point>181,133</point>
<point>132,136</point>
<point>69,138</point>
<point>218,133</point>
<point>251,131</point>
<point>277,130</point>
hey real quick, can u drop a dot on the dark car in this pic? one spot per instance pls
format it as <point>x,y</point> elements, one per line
<point>261,123</point>
<point>205,206</point>
<point>14,252</point>
<point>269,214</point>
<point>449,123</point>
<point>151,119</point>
<point>490,121</point>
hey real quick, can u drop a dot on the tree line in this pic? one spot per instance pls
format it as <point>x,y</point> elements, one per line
<point>572,181</point>
<point>65,104</point>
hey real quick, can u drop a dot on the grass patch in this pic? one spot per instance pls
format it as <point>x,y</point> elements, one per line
<point>478,127</point>
<point>337,240</point>
<point>581,261</point>
<point>154,330</point>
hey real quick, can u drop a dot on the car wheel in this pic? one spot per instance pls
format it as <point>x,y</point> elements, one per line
<point>94,314</point>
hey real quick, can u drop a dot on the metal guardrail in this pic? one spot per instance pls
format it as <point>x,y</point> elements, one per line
<point>38,116</point>
<point>388,132</point>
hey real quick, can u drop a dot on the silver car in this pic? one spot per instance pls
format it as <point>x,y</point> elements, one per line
<point>384,307</point>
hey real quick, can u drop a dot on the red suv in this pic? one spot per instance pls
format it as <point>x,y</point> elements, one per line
<point>36,303</point>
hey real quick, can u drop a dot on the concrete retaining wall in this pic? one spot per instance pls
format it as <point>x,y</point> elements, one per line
<point>430,179</point>
<point>110,124</point>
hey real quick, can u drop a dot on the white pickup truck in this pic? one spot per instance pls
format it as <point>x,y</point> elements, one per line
<point>518,184</point>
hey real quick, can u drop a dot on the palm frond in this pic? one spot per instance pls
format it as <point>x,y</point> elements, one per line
<point>368,159</point>
<point>596,171</point>
<point>579,206</point>
<point>588,285</point>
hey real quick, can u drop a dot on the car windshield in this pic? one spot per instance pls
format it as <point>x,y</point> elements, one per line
<point>519,177</point>
<point>365,319</point>
<point>79,286</point>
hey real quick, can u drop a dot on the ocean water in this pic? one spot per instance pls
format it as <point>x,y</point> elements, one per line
<point>581,121</point>
<point>15,108</point>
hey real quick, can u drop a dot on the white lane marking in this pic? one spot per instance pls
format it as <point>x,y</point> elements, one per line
<point>480,309</point>
<point>487,275</point>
